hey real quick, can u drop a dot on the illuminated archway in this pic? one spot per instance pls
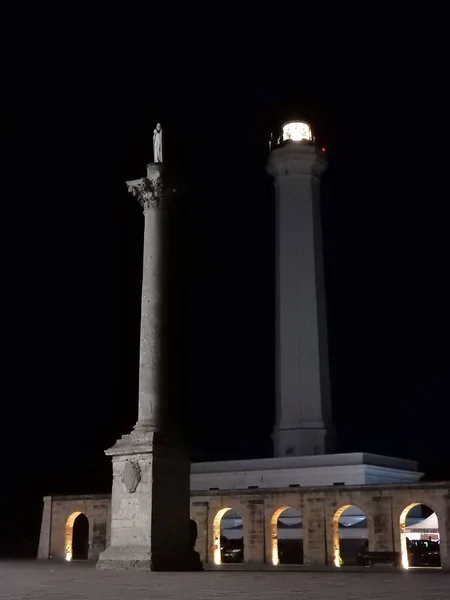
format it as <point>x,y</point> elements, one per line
<point>419,541</point>
<point>79,550</point>
<point>228,537</point>
<point>349,534</point>
<point>287,541</point>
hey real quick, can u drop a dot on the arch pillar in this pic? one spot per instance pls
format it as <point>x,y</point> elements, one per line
<point>380,525</point>
<point>314,532</point>
<point>254,543</point>
<point>199,513</point>
<point>444,534</point>
<point>97,537</point>
<point>92,546</point>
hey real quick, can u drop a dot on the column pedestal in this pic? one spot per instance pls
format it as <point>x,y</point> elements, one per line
<point>150,521</point>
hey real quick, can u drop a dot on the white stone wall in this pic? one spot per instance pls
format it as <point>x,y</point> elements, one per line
<point>313,476</point>
<point>350,469</point>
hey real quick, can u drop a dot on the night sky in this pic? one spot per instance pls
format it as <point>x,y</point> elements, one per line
<point>77,122</point>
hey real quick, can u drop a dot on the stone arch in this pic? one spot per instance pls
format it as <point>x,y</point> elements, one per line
<point>68,534</point>
<point>217,532</point>
<point>275,554</point>
<point>337,558</point>
<point>403,534</point>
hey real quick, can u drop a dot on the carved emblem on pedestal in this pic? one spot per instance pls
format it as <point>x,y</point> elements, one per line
<point>131,476</point>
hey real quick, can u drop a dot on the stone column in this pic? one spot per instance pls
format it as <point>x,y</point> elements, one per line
<point>150,503</point>
<point>46,528</point>
<point>303,404</point>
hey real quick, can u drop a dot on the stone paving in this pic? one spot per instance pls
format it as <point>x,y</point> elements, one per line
<point>81,581</point>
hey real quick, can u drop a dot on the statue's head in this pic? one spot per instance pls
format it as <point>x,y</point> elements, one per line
<point>158,126</point>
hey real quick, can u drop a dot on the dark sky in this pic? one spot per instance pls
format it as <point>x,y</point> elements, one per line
<point>76,123</point>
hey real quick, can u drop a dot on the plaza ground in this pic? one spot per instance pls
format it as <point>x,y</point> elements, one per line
<point>81,581</point>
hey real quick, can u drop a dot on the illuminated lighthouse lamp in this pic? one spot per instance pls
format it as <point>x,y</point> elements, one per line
<point>297,131</point>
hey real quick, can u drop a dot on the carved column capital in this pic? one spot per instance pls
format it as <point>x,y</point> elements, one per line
<point>149,193</point>
<point>153,191</point>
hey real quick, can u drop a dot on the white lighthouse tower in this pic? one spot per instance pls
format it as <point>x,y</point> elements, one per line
<point>303,404</point>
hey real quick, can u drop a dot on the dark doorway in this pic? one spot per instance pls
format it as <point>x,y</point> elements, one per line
<point>80,538</point>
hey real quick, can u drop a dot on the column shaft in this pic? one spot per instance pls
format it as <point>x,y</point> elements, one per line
<point>150,342</point>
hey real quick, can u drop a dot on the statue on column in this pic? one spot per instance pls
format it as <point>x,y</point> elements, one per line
<point>157,144</point>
